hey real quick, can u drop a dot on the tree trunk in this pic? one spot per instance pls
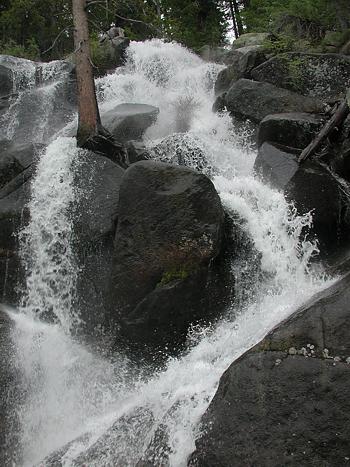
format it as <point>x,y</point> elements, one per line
<point>238,17</point>
<point>233,19</point>
<point>89,118</point>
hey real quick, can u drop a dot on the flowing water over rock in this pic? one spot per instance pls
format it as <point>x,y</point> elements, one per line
<point>83,409</point>
<point>40,102</point>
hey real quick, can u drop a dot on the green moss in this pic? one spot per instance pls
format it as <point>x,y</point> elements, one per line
<point>268,345</point>
<point>174,274</point>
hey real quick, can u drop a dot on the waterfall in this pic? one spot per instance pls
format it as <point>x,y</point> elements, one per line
<point>97,412</point>
<point>39,103</point>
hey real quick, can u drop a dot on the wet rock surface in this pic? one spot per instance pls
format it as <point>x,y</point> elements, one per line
<point>129,121</point>
<point>292,129</point>
<point>169,229</point>
<point>98,180</point>
<point>254,100</point>
<point>325,76</point>
<point>312,187</point>
<point>285,401</point>
<point>241,62</point>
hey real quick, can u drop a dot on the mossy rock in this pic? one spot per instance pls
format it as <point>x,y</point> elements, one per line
<point>325,76</point>
<point>251,38</point>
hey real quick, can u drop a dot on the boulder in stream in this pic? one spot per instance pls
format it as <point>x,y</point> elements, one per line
<point>294,129</point>
<point>241,62</point>
<point>129,121</point>
<point>170,228</point>
<point>312,187</point>
<point>286,401</point>
<point>253,100</point>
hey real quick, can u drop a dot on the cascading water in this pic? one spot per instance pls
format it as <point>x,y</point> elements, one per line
<point>38,103</point>
<point>98,413</point>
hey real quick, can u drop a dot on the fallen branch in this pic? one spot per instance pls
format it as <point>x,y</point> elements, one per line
<point>337,119</point>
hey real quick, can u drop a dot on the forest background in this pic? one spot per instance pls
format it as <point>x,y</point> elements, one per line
<point>43,30</point>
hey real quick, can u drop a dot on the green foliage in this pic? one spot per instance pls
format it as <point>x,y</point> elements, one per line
<point>30,50</point>
<point>263,15</point>
<point>194,23</point>
<point>31,24</point>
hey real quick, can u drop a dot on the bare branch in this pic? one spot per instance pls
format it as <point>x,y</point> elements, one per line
<point>56,39</point>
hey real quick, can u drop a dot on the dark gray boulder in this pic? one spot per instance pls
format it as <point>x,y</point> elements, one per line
<point>14,159</point>
<point>225,78</point>
<point>6,81</point>
<point>276,164</point>
<point>170,227</point>
<point>241,62</point>
<point>253,100</point>
<point>98,182</point>
<point>129,121</point>
<point>286,401</point>
<point>325,76</point>
<point>312,187</point>
<point>290,129</point>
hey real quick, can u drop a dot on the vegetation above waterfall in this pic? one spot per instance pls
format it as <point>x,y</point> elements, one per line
<point>44,30</point>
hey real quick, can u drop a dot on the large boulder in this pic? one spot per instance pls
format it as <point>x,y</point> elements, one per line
<point>251,38</point>
<point>293,129</point>
<point>254,100</point>
<point>170,226</point>
<point>312,187</point>
<point>286,401</point>
<point>241,62</point>
<point>325,76</point>
<point>129,121</point>
<point>110,53</point>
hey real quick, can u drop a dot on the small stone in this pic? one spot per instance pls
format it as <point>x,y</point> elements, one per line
<point>325,353</point>
<point>293,351</point>
<point>348,360</point>
<point>278,361</point>
<point>337,359</point>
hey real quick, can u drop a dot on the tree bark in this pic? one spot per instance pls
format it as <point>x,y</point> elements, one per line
<point>89,121</point>
<point>238,17</point>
